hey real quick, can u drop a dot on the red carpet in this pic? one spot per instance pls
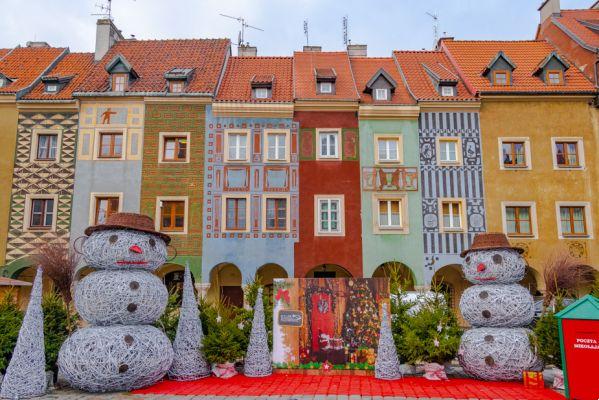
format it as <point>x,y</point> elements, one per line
<point>283,384</point>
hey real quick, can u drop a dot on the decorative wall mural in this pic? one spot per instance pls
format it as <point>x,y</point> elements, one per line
<point>389,178</point>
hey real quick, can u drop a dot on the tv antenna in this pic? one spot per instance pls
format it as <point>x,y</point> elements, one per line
<point>306,32</point>
<point>241,36</point>
<point>105,9</point>
<point>345,24</point>
<point>435,18</point>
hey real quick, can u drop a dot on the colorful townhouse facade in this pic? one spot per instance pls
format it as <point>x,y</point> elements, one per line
<point>252,178</point>
<point>450,161</point>
<point>538,147</point>
<point>326,106</point>
<point>389,174</point>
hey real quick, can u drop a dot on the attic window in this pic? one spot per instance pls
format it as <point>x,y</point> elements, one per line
<point>325,80</point>
<point>261,93</point>
<point>4,81</point>
<point>176,86</point>
<point>381,94</point>
<point>178,78</point>
<point>262,86</point>
<point>447,91</point>
<point>51,88</point>
<point>501,77</point>
<point>119,82</point>
<point>554,77</point>
<point>325,87</point>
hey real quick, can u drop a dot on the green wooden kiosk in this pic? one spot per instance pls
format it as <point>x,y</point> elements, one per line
<point>579,340</point>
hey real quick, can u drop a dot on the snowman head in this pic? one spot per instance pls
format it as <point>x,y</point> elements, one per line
<point>491,259</point>
<point>125,241</point>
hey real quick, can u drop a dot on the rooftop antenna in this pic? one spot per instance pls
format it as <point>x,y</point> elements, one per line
<point>105,9</point>
<point>244,25</point>
<point>346,39</point>
<point>435,18</point>
<point>306,32</point>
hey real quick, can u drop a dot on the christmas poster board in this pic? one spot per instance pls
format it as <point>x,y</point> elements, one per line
<point>327,323</point>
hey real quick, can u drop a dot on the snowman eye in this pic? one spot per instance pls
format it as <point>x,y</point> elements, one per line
<point>152,242</point>
<point>468,259</point>
<point>113,238</point>
<point>497,259</point>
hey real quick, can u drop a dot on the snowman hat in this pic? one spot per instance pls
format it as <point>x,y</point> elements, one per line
<point>489,241</point>
<point>129,221</point>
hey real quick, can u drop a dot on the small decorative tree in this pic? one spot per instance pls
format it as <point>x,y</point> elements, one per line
<point>56,327</point>
<point>26,373</point>
<point>387,362</point>
<point>189,362</point>
<point>257,359</point>
<point>11,319</point>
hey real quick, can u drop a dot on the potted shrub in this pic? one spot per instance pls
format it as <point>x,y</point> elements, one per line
<point>222,347</point>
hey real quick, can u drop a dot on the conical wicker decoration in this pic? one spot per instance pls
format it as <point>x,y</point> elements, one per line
<point>387,361</point>
<point>257,358</point>
<point>189,363</point>
<point>26,373</point>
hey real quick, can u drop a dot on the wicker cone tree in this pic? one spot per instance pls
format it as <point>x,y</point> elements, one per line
<point>26,373</point>
<point>257,358</point>
<point>387,361</point>
<point>189,362</point>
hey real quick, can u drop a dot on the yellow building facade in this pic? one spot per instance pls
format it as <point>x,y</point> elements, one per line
<point>8,137</point>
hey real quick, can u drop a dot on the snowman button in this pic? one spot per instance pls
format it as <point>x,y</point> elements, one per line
<point>132,307</point>
<point>129,339</point>
<point>486,313</point>
<point>123,368</point>
<point>134,285</point>
<point>489,338</point>
<point>484,294</point>
<point>489,361</point>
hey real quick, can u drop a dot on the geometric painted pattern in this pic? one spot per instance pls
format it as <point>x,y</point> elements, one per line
<point>51,178</point>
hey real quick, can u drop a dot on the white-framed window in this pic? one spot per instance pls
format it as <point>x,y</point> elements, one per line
<point>276,145</point>
<point>568,153</point>
<point>449,151</point>
<point>51,88</point>
<point>381,94</point>
<point>172,214</point>
<point>275,213</point>
<point>328,143</point>
<point>390,213</point>
<point>451,214</point>
<point>329,215</point>
<point>102,205</point>
<point>388,148</point>
<point>237,146</point>
<point>45,145</point>
<point>119,82</point>
<point>574,219</point>
<point>325,87</point>
<point>261,93</point>
<point>519,219</point>
<point>40,212</point>
<point>235,213</point>
<point>447,91</point>
<point>176,86</point>
<point>174,147</point>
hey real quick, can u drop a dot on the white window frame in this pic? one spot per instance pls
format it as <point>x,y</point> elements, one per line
<point>341,212</point>
<point>158,213</point>
<point>379,91</point>
<point>261,90</point>
<point>117,84</point>
<point>449,93</point>
<point>587,219</point>
<point>533,218</point>
<point>176,86</point>
<point>51,88</point>
<point>92,203</point>
<point>164,135</point>
<point>463,222</point>
<point>323,131</point>
<point>28,205</point>
<point>404,227</point>
<point>248,218</point>
<point>458,144</point>
<point>395,137</point>
<point>34,141</point>
<point>580,147</point>
<point>321,85</point>
<point>286,156</point>
<point>228,133</point>
<point>288,212</point>
<point>527,152</point>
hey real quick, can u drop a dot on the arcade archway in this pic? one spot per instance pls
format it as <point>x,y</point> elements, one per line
<point>268,273</point>
<point>450,280</point>
<point>398,271</point>
<point>225,284</point>
<point>328,271</point>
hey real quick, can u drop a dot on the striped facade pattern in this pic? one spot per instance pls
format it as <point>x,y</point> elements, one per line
<point>464,182</point>
<point>41,178</point>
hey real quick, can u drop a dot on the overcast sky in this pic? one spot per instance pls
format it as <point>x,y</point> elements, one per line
<point>382,24</point>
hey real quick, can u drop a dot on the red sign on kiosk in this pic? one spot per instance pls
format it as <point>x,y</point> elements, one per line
<point>579,339</point>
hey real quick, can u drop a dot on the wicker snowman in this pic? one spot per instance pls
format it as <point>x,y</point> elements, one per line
<point>497,347</point>
<point>120,350</point>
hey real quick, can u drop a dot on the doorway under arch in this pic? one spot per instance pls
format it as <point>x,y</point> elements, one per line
<point>172,276</point>
<point>531,281</point>
<point>268,273</point>
<point>328,271</point>
<point>225,284</point>
<point>395,270</point>
<point>450,280</point>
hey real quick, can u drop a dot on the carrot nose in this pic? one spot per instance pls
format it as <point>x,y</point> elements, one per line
<point>481,267</point>
<point>136,249</point>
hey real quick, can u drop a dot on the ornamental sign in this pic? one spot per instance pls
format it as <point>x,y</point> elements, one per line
<point>291,318</point>
<point>390,178</point>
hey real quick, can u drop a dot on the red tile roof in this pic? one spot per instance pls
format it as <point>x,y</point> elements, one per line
<point>305,65</point>
<point>471,58</point>
<point>578,22</point>
<point>151,59</point>
<point>364,68</point>
<point>74,65</point>
<point>242,71</point>
<point>24,65</point>
<point>413,66</point>
<point>4,52</point>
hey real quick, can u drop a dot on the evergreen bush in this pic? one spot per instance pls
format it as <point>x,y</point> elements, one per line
<point>169,320</point>
<point>10,323</point>
<point>57,322</point>
<point>545,338</point>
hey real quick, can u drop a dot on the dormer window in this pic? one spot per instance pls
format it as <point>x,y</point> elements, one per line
<point>447,91</point>
<point>51,88</point>
<point>499,70</point>
<point>325,80</point>
<point>261,93</point>
<point>119,82</point>
<point>121,74</point>
<point>4,81</point>
<point>176,87</point>
<point>381,94</point>
<point>262,86</point>
<point>178,78</point>
<point>381,86</point>
<point>551,70</point>
<point>54,83</point>
<point>325,87</point>
<point>501,78</point>
<point>554,77</point>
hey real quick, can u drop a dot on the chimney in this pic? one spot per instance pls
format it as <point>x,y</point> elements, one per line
<point>315,49</point>
<point>357,50</point>
<point>245,50</point>
<point>549,8</point>
<point>107,34</point>
<point>37,44</point>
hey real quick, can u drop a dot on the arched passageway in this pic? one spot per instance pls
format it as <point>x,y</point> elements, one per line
<point>450,280</point>
<point>225,284</point>
<point>396,271</point>
<point>268,273</point>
